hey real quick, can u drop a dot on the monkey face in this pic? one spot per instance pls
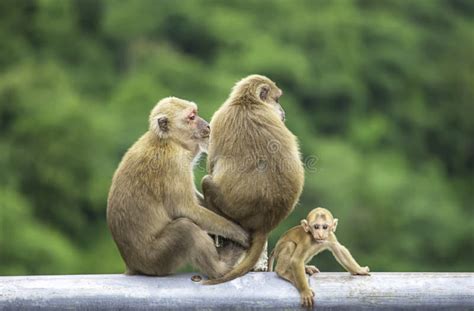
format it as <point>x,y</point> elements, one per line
<point>177,119</point>
<point>320,230</point>
<point>192,130</point>
<point>319,225</point>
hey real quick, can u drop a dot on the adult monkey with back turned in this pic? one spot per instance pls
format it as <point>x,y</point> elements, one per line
<point>256,174</point>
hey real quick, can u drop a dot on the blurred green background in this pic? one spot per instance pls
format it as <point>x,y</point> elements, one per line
<point>380,94</point>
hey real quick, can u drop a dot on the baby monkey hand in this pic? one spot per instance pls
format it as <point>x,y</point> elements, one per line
<point>307,298</point>
<point>362,271</point>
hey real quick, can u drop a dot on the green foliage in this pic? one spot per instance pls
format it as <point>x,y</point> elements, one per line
<point>379,94</point>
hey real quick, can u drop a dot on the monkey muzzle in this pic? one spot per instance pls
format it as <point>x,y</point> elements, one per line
<point>202,132</point>
<point>203,128</point>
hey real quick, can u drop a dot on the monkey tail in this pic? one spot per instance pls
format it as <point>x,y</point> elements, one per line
<point>271,258</point>
<point>253,254</point>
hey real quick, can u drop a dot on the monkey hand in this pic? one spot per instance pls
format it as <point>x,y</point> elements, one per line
<point>307,298</point>
<point>311,270</point>
<point>362,271</point>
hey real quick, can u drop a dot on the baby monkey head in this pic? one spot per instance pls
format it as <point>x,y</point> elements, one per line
<point>320,224</point>
<point>177,119</point>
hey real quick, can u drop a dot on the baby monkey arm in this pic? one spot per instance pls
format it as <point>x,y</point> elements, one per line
<point>299,276</point>
<point>345,259</point>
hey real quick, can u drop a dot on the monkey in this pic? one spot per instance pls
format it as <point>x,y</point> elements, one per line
<point>153,209</point>
<point>255,171</point>
<point>300,244</point>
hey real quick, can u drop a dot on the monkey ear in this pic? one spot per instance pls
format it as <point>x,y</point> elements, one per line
<point>162,124</point>
<point>262,91</point>
<point>334,224</point>
<point>305,225</point>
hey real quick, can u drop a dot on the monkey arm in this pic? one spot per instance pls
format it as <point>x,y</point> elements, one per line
<point>345,259</point>
<point>299,276</point>
<point>297,263</point>
<point>215,224</point>
<point>202,201</point>
<point>212,196</point>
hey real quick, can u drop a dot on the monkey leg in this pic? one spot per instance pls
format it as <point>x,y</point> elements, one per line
<point>284,255</point>
<point>285,274</point>
<point>180,242</point>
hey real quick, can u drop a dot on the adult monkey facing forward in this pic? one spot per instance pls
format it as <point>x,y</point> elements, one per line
<point>256,174</point>
<point>153,211</point>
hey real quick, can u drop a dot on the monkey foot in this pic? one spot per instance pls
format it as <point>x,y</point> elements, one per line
<point>311,270</point>
<point>260,267</point>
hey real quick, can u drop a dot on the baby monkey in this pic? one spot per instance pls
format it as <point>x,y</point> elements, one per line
<point>301,243</point>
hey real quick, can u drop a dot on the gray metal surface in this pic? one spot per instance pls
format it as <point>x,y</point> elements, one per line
<point>255,291</point>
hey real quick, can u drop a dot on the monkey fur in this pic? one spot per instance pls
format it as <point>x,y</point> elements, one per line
<point>153,211</point>
<point>300,244</point>
<point>255,171</point>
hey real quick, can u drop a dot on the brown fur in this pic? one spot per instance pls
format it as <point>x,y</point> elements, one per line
<point>301,243</point>
<point>256,174</point>
<point>153,212</point>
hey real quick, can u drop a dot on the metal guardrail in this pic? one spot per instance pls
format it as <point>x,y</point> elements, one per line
<point>254,291</point>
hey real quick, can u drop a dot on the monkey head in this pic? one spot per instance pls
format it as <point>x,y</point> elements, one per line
<point>320,224</point>
<point>177,119</point>
<point>262,90</point>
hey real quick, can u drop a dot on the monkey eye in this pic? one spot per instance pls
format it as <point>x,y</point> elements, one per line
<point>325,227</point>
<point>316,227</point>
